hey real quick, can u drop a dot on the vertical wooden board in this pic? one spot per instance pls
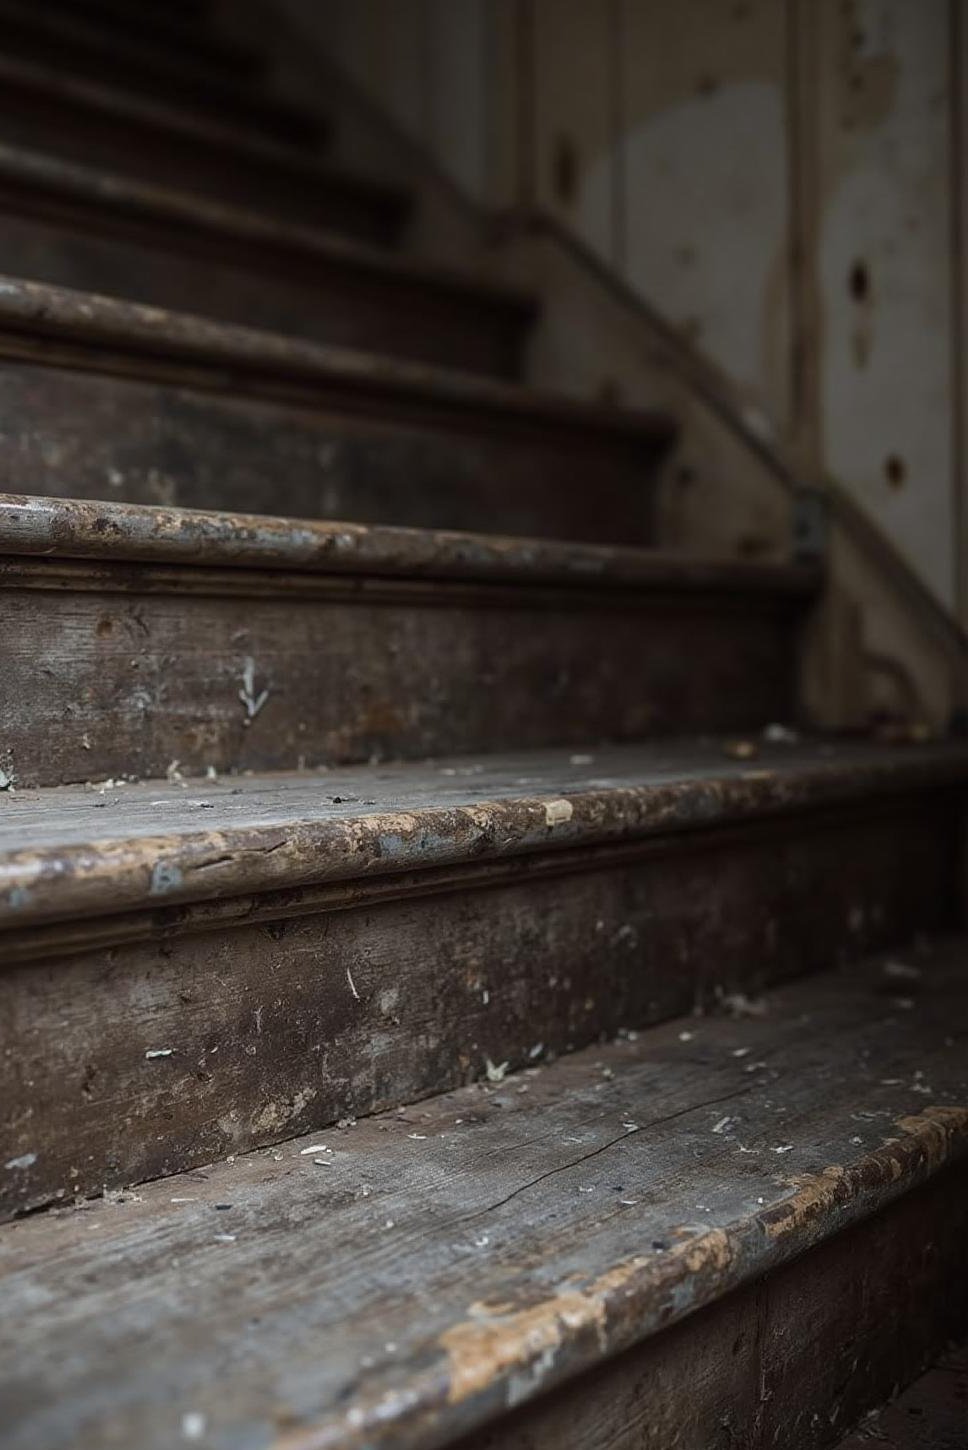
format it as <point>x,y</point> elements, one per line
<point>704,180</point>
<point>574,109</point>
<point>885,271</point>
<point>456,59</point>
<point>506,117</point>
<point>381,45</point>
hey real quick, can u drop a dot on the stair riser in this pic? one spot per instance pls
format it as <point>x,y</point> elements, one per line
<point>136,146</point>
<point>313,456</point>
<point>793,1360</point>
<point>394,315</point>
<point>132,679</point>
<point>277,1028</point>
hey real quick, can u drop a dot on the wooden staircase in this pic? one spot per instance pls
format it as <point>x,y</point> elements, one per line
<point>444,1000</point>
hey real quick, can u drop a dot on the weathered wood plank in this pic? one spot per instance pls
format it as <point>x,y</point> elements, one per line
<point>309,1005</point>
<point>437,1266</point>
<point>119,668</point>
<point>785,1362</point>
<point>280,832</point>
<point>111,399</point>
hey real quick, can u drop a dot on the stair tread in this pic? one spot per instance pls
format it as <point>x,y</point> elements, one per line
<point>111,335</point>
<point>161,843</point>
<point>101,196</point>
<point>404,1279</point>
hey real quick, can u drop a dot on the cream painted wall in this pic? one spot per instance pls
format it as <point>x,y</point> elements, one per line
<point>780,178</point>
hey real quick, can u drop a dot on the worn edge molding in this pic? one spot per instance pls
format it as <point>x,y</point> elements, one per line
<point>161,923</point>
<point>122,533</point>
<point>51,326</point>
<point>113,874</point>
<point>494,1359</point>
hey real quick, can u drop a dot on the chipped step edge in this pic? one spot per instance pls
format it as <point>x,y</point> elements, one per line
<point>112,875</point>
<point>124,533</point>
<point>492,1362</point>
<point>99,328</point>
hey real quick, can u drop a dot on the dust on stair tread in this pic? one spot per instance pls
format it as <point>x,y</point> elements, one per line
<point>407,1268</point>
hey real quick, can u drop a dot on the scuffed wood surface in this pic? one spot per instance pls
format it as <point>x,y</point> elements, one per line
<point>120,670</point>
<point>277,1013</point>
<point>784,1363</point>
<point>58,858</point>
<point>411,1276</point>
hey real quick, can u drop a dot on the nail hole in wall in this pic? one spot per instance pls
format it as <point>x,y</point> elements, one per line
<point>564,169</point>
<point>859,282</point>
<point>894,470</point>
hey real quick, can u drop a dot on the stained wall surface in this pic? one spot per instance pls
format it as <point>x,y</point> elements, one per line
<point>783,179</point>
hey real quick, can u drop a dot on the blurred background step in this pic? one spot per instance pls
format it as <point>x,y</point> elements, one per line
<point>73,46</point>
<point>195,967</point>
<point>173,31</point>
<point>132,632</point>
<point>79,227</point>
<point>81,120</point>
<point>755,1223</point>
<point>107,399</point>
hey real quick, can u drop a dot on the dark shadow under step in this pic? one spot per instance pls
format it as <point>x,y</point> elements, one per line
<point>720,1222</point>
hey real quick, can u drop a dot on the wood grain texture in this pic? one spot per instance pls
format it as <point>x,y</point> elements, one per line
<point>787,1361</point>
<point>439,1265</point>
<point>336,1006</point>
<point>162,844</point>
<point>123,672</point>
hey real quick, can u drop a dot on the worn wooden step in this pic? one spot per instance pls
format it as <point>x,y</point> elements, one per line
<point>73,225</point>
<point>192,968</point>
<point>107,398</point>
<point>143,137</point>
<point>175,31</point>
<point>130,634</point>
<point>747,1228</point>
<point>72,46</point>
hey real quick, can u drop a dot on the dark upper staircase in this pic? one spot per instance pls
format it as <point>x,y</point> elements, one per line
<point>360,746</point>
